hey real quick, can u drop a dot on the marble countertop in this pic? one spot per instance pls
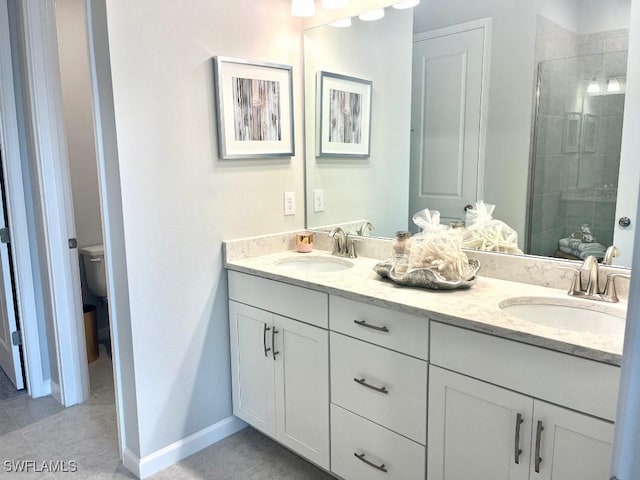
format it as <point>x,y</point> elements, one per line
<point>476,308</point>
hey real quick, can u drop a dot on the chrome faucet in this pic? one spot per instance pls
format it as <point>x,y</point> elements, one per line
<point>590,265</point>
<point>592,290</point>
<point>365,229</point>
<point>339,242</point>
<point>610,254</point>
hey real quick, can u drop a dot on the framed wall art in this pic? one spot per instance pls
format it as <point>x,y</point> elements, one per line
<point>344,116</point>
<point>255,108</point>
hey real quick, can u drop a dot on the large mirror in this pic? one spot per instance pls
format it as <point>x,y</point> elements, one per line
<point>519,104</point>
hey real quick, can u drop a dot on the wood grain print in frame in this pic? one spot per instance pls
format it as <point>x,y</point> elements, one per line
<point>255,108</point>
<point>344,116</point>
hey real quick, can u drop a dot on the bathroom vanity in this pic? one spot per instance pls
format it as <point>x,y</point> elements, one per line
<point>370,380</point>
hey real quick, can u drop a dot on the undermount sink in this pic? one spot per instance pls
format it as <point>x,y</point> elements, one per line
<point>570,314</point>
<point>315,263</point>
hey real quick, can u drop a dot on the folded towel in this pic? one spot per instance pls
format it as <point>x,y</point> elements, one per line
<point>591,247</point>
<point>599,254</point>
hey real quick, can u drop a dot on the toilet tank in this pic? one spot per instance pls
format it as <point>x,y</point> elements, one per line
<point>93,258</point>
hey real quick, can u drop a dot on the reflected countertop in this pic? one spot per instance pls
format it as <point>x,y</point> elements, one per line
<point>476,308</point>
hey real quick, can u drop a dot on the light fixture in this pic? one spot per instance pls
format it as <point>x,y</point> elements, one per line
<point>613,85</point>
<point>372,15</point>
<point>406,4</point>
<point>342,23</point>
<point>303,8</point>
<point>593,87</point>
<point>334,4</point>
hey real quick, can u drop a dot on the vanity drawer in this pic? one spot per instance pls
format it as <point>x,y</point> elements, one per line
<point>359,372</point>
<point>392,329</point>
<point>577,383</point>
<point>283,299</point>
<point>352,435</point>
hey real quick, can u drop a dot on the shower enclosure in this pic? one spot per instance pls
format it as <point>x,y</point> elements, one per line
<point>576,154</point>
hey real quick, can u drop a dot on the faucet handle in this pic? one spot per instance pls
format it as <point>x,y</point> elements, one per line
<point>610,294</point>
<point>576,283</point>
<point>351,246</point>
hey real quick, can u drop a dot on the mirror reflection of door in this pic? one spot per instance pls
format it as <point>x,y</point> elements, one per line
<point>10,360</point>
<point>447,139</point>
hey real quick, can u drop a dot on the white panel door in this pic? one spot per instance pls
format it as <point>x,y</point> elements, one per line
<point>446,113</point>
<point>628,186</point>
<point>9,354</point>
<point>302,388</point>
<point>567,445</point>
<point>252,366</point>
<point>476,430</point>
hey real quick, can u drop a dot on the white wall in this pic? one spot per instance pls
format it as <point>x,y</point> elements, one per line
<point>599,16</point>
<point>560,12</point>
<point>179,200</point>
<point>78,119</point>
<point>376,187</point>
<point>510,94</point>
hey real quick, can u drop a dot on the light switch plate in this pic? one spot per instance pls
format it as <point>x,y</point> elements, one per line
<point>289,203</point>
<point>318,200</point>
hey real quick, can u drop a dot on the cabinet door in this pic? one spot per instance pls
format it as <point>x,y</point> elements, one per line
<point>252,366</point>
<point>474,429</point>
<point>570,446</point>
<point>302,388</point>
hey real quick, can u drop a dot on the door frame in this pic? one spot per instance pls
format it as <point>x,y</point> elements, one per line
<point>21,250</point>
<point>487,25</point>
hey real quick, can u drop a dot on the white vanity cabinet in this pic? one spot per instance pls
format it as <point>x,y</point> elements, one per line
<point>378,391</point>
<point>280,365</point>
<point>487,430</point>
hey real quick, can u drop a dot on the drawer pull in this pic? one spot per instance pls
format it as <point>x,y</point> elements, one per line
<point>363,323</point>
<point>360,457</point>
<point>364,383</point>
<point>518,451</point>
<point>273,342</point>
<point>538,459</point>
<point>264,340</point>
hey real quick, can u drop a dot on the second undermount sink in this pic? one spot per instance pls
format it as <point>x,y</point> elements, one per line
<point>315,263</point>
<point>576,315</point>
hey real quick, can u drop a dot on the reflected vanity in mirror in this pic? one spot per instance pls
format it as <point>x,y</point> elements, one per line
<point>519,104</point>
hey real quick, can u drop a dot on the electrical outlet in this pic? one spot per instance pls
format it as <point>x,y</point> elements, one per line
<point>289,203</point>
<point>318,200</point>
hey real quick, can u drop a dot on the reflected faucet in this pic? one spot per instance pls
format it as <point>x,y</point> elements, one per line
<point>610,254</point>
<point>365,229</point>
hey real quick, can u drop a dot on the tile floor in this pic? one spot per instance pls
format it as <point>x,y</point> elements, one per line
<point>41,430</point>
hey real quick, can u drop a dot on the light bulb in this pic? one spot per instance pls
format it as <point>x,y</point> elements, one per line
<point>334,4</point>
<point>342,23</point>
<point>613,85</point>
<point>593,87</point>
<point>406,4</point>
<point>372,15</point>
<point>303,8</point>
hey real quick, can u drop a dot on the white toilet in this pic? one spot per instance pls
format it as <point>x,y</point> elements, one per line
<point>93,257</point>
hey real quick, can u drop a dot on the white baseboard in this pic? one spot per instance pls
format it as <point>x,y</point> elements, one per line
<point>167,456</point>
<point>54,388</point>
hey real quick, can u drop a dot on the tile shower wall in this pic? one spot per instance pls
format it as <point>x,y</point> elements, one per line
<point>577,136</point>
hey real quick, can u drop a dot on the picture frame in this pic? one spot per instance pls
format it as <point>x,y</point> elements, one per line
<point>572,132</point>
<point>254,106</point>
<point>590,128</point>
<point>344,115</point>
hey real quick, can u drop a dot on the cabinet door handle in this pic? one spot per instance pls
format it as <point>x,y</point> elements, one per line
<point>264,340</point>
<point>360,456</point>
<point>274,352</point>
<point>517,450</point>
<point>363,323</point>
<point>364,383</point>
<point>538,459</point>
